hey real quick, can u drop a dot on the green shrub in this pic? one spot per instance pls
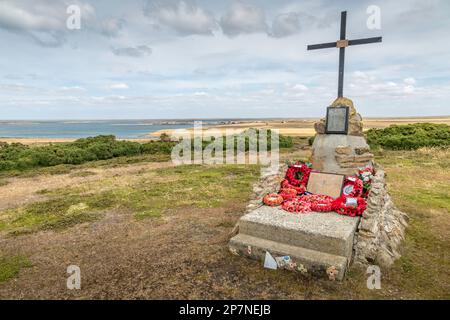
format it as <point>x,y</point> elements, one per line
<point>17,156</point>
<point>157,147</point>
<point>410,136</point>
<point>283,141</point>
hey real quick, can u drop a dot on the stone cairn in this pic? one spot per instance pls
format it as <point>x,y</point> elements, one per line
<point>381,228</point>
<point>342,154</point>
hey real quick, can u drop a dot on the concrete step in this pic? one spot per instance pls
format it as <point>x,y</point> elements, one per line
<point>305,260</point>
<point>326,232</point>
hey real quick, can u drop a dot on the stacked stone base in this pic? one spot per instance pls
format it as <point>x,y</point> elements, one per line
<point>319,244</point>
<point>322,244</point>
<point>382,227</point>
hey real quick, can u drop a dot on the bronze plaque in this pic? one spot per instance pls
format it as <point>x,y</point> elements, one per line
<point>329,184</point>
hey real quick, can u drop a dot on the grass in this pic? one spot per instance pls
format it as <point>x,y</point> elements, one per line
<point>10,266</point>
<point>85,173</point>
<point>419,182</point>
<point>151,194</point>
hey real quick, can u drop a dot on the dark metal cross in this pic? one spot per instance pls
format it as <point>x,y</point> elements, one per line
<point>341,44</point>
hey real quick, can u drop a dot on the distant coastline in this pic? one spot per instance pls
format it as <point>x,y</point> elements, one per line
<point>40,131</point>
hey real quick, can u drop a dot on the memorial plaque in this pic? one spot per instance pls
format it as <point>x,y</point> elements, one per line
<point>337,120</point>
<point>329,184</point>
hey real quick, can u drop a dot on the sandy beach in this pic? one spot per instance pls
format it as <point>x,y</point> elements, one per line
<point>305,127</point>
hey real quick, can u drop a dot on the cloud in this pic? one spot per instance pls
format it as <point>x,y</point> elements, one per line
<point>289,23</point>
<point>15,17</point>
<point>109,27</point>
<point>138,51</point>
<point>73,89</point>
<point>45,21</point>
<point>285,24</point>
<point>300,87</point>
<point>243,18</point>
<point>409,81</point>
<point>119,86</point>
<point>182,17</point>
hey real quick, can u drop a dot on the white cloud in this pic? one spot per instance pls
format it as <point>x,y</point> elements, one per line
<point>408,89</point>
<point>182,17</point>
<point>45,20</point>
<point>409,81</point>
<point>73,89</point>
<point>300,87</point>
<point>119,86</point>
<point>243,18</point>
<point>200,94</point>
<point>360,76</point>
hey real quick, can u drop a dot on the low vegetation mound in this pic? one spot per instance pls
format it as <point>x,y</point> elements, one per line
<point>410,136</point>
<point>17,156</point>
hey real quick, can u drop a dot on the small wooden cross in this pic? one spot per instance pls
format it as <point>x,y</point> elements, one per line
<point>342,43</point>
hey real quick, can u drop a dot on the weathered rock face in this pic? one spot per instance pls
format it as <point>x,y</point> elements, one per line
<point>381,229</point>
<point>355,124</point>
<point>340,153</point>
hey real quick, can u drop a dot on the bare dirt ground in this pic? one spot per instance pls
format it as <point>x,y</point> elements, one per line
<point>181,255</point>
<point>20,191</point>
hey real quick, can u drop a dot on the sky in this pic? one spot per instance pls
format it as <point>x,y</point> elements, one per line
<point>199,59</point>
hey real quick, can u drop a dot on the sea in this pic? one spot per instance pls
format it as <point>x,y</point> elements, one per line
<point>123,129</point>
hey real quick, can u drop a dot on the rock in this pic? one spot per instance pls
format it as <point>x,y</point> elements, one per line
<point>382,227</point>
<point>366,157</point>
<point>341,159</point>
<point>360,151</point>
<point>320,126</point>
<point>343,150</point>
<point>355,128</point>
<point>355,124</point>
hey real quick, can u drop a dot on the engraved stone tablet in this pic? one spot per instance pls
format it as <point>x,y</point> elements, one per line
<point>329,184</point>
<point>337,120</point>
